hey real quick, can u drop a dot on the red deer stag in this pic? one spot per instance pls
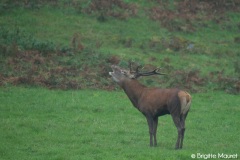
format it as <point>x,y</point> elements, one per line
<point>154,102</point>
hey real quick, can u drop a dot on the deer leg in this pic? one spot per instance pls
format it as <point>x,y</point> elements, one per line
<point>182,132</point>
<point>150,125</point>
<point>177,123</point>
<point>155,124</point>
<point>177,146</point>
<point>183,118</point>
<point>181,144</point>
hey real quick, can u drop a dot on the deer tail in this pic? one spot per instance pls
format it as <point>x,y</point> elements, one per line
<point>185,100</point>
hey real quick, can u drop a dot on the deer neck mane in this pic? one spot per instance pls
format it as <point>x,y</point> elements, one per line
<point>133,89</point>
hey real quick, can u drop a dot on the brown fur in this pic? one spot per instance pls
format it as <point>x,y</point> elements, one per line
<point>155,102</point>
<point>185,100</point>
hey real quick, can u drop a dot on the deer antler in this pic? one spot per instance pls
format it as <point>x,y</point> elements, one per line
<point>137,69</point>
<point>130,66</point>
<point>154,72</point>
<point>139,74</point>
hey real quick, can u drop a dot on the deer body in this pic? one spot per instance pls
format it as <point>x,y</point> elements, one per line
<point>155,102</point>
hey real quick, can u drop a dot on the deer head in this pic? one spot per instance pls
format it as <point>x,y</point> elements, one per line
<point>120,74</point>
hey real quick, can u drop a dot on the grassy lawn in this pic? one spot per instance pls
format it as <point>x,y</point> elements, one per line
<point>62,48</point>
<point>37,123</point>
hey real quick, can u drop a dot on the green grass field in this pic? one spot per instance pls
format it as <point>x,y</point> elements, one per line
<point>38,123</point>
<point>199,52</point>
